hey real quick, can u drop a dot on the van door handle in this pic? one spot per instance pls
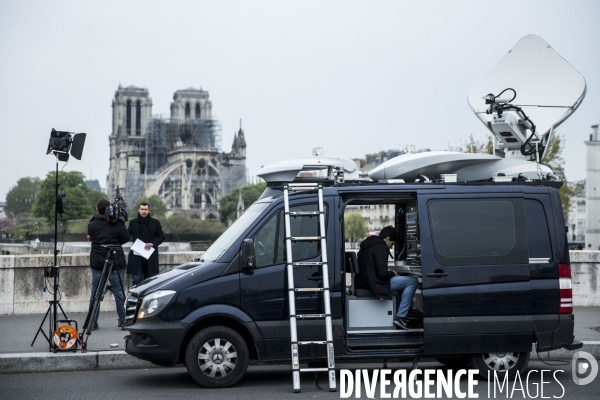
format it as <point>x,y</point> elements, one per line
<point>437,274</point>
<point>315,278</point>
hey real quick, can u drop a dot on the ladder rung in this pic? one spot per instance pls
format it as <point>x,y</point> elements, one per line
<point>310,316</point>
<point>307,263</point>
<point>305,238</point>
<point>303,213</point>
<point>305,342</point>
<point>309,289</point>
<point>313,370</point>
<point>303,185</point>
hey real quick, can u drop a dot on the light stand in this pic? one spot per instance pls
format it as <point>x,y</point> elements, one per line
<point>61,144</point>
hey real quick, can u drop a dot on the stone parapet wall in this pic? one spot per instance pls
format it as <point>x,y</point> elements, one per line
<point>22,281</point>
<point>585,270</point>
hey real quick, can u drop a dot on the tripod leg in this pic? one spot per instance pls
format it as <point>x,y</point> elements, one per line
<point>61,310</point>
<point>95,306</point>
<point>42,324</point>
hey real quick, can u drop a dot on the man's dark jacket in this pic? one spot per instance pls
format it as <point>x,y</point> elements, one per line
<point>373,267</point>
<point>148,230</point>
<point>103,232</point>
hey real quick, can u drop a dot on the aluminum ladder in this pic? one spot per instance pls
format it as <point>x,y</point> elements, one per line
<point>292,290</point>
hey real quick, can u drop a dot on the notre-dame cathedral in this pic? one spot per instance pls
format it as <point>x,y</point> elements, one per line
<point>177,158</point>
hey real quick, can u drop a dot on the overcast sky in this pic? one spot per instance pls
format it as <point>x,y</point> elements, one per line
<point>353,77</point>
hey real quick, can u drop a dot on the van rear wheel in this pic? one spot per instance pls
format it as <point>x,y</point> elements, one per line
<point>502,363</point>
<point>216,357</point>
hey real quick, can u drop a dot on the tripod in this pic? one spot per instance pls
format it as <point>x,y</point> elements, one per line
<point>101,290</point>
<point>52,271</point>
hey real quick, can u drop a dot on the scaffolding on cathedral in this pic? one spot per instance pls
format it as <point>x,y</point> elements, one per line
<point>232,178</point>
<point>166,135</point>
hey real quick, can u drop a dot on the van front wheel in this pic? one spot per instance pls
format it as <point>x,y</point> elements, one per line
<point>502,363</point>
<point>216,357</point>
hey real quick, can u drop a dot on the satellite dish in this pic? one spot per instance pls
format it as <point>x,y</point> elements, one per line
<point>548,90</point>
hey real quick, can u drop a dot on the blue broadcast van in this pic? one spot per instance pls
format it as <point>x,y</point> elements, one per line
<point>492,259</point>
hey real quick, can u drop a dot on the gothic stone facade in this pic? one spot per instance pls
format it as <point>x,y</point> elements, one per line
<point>178,158</point>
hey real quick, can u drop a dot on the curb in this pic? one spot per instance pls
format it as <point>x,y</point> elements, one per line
<point>18,363</point>
<point>53,362</point>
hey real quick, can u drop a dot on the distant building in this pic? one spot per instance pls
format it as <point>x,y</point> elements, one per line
<point>177,158</point>
<point>592,191</point>
<point>377,216</point>
<point>94,184</point>
<point>577,216</point>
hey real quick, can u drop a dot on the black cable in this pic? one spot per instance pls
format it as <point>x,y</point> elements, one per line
<point>514,94</point>
<point>558,363</point>
<point>525,119</point>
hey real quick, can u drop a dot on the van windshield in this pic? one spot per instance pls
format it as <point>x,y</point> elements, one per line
<point>224,242</point>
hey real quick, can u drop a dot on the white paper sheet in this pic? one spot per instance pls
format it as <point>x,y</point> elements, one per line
<point>139,249</point>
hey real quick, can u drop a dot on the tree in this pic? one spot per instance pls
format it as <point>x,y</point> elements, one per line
<point>20,198</point>
<point>475,146</point>
<point>554,160</point>
<point>228,204</point>
<point>5,224</point>
<point>76,202</point>
<point>24,225</point>
<point>553,154</point>
<point>355,226</point>
<point>157,206</point>
<point>95,196</point>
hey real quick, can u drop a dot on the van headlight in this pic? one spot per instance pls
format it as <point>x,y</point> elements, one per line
<point>155,302</point>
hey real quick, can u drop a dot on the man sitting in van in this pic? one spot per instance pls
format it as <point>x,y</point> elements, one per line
<point>375,276</point>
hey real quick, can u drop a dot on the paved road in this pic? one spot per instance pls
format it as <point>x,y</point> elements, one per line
<point>260,383</point>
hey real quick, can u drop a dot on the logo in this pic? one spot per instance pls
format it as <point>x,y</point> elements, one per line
<point>584,363</point>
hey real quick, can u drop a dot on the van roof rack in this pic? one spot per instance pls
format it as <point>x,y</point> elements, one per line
<point>431,166</point>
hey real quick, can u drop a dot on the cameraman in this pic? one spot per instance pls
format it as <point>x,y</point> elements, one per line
<point>103,232</point>
<point>149,231</point>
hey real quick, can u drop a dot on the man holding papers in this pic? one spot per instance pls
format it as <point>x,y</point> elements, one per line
<point>143,263</point>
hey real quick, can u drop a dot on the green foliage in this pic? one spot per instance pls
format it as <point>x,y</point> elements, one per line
<point>553,159</point>
<point>155,203</point>
<point>475,146</point>
<point>20,198</point>
<point>94,197</point>
<point>77,226</point>
<point>553,154</point>
<point>178,225</point>
<point>228,204</point>
<point>25,224</point>
<point>355,226</point>
<point>567,193</point>
<point>5,225</point>
<point>76,203</point>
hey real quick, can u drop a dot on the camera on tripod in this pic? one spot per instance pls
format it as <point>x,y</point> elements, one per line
<point>116,211</point>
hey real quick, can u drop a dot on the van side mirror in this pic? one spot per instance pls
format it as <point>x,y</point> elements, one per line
<point>248,259</point>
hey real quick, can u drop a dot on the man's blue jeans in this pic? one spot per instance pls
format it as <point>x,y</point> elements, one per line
<point>408,286</point>
<point>116,280</point>
<point>142,274</point>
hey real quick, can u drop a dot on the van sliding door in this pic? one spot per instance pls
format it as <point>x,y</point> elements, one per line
<point>476,280</point>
